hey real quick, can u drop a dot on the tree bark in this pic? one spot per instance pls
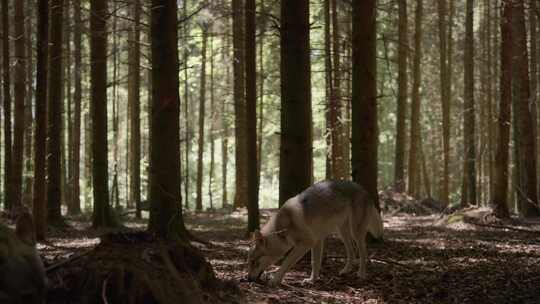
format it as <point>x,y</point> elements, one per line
<point>75,204</point>
<point>469,109</point>
<point>241,192</point>
<point>19,102</point>
<point>414,170</point>
<point>526,140</point>
<point>251,117</point>
<point>364,97</point>
<point>102,216</point>
<point>166,218</point>
<point>403,46</point>
<point>134,101</point>
<point>40,140</point>
<point>295,158</point>
<point>202,104</point>
<point>8,164</point>
<point>54,112</point>
<point>445,95</point>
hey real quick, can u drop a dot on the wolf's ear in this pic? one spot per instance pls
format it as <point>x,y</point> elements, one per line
<point>25,229</point>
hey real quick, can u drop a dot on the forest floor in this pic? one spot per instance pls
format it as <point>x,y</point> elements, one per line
<point>420,261</point>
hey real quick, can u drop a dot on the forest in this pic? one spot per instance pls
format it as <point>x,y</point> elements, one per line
<point>217,151</point>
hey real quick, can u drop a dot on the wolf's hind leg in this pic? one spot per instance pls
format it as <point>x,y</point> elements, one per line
<point>291,259</point>
<point>345,235</point>
<point>316,260</point>
<point>360,240</point>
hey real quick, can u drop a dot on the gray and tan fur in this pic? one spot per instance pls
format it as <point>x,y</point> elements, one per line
<point>304,222</point>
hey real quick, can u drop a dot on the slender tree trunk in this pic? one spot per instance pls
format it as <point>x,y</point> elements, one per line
<point>74,207</point>
<point>134,100</point>
<point>403,46</point>
<point>262,76</point>
<point>20,96</point>
<point>241,194</point>
<point>166,210</point>
<point>186,109</point>
<point>67,144</point>
<point>295,158</point>
<point>54,112</point>
<point>336,115</point>
<point>251,116</point>
<point>28,175</point>
<point>526,140</point>
<point>469,109</point>
<point>212,127</point>
<point>445,100</point>
<point>364,97</point>
<point>225,130</point>
<point>102,215</point>
<point>8,164</point>
<point>40,141</point>
<point>414,171</point>
<point>329,89</point>
<point>500,190</point>
<point>202,104</point>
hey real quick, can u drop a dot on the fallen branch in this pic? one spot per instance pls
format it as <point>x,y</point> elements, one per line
<point>66,261</point>
<point>503,227</point>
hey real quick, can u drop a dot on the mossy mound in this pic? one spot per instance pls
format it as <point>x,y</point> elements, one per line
<point>137,267</point>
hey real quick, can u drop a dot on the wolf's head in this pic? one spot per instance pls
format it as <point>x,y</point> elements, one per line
<point>264,251</point>
<point>22,275</point>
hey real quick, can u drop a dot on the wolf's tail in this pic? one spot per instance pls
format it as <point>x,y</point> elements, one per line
<point>375,222</point>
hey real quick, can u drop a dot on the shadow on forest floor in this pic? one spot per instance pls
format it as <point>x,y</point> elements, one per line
<point>417,263</point>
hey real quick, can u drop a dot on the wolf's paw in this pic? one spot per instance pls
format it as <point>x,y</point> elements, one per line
<point>275,281</point>
<point>310,281</point>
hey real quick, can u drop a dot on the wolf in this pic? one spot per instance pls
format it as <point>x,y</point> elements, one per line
<point>22,275</point>
<point>304,222</point>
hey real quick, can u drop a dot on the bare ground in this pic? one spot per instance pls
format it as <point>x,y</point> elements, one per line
<point>419,262</point>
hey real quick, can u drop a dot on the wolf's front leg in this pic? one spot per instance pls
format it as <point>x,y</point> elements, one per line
<point>316,261</point>
<point>293,257</point>
<point>345,235</point>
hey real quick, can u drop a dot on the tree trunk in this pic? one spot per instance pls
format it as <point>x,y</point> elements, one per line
<point>414,170</point>
<point>202,104</point>
<point>329,89</point>
<point>211,135</point>
<point>75,206</point>
<point>102,216</point>
<point>445,97</point>
<point>134,101</point>
<point>28,175</point>
<point>54,112</point>
<point>40,141</point>
<point>20,95</point>
<point>403,46</point>
<point>8,164</point>
<point>241,194</point>
<point>469,109</point>
<point>526,140</point>
<point>364,97</point>
<point>225,130</point>
<point>295,158</point>
<point>166,218</point>
<point>338,160</point>
<point>186,108</point>
<point>251,117</point>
